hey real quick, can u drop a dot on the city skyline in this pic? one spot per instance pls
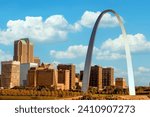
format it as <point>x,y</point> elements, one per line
<point>24,71</point>
<point>60,42</point>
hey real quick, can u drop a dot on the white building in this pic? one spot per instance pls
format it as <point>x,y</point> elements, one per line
<point>24,72</point>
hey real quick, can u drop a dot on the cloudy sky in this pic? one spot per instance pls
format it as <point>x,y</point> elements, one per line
<point>60,31</point>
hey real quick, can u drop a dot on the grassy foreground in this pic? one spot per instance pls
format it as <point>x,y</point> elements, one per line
<point>37,98</point>
<point>86,97</point>
<point>28,98</point>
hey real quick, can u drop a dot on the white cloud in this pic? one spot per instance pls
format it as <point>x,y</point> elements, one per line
<point>108,55</point>
<point>115,48</point>
<point>111,49</point>
<point>4,56</point>
<point>73,51</point>
<point>54,27</point>
<point>88,19</point>
<point>143,69</point>
<point>142,76</point>
<point>137,42</point>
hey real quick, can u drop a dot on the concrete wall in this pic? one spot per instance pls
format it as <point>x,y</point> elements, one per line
<point>24,72</point>
<point>10,74</point>
<point>63,78</point>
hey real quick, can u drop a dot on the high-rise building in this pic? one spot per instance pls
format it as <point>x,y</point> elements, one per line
<point>71,68</point>
<point>24,67</point>
<point>23,51</point>
<point>107,77</point>
<point>100,77</point>
<point>42,76</point>
<point>10,76</point>
<point>120,82</point>
<point>63,78</point>
<point>96,77</point>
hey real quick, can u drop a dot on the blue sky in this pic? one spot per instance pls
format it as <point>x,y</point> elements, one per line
<point>60,31</point>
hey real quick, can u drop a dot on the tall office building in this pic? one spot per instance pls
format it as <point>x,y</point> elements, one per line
<point>10,76</point>
<point>96,77</point>
<point>23,51</point>
<point>71,68</point>
<point>100,77</point>
<point>120,82</point>
<point>107,77</point>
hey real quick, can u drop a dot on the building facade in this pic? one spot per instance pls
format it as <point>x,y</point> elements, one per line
<point>120,82</point>
<point>46,77</point>
<point>31,79</point>
<point>71,69</point>
<point>96,77</point>
<point>107,77</point>
<point>42,76</point>
<point>10,74</point>
<point>63,78</point>
<point>23,51</point>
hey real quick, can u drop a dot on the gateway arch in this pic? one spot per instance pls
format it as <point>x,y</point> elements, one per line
<point>87,67</point>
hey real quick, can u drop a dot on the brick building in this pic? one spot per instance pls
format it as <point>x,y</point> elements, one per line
<point>107,77</point>
<point>120,82</point>
<point>100,77</point>
<point>46,75</point>
<point>43,75</point>
<point>71,69</point>
<point>96,77</point>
